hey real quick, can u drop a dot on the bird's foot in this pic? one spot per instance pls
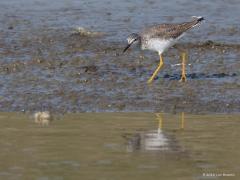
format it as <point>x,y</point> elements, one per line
<point>150,80</point>
<point>183,78</point>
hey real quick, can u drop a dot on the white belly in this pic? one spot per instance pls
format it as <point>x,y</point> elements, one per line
<point>159,45</point>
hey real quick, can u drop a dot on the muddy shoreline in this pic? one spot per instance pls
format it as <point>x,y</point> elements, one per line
<point>67,56</point>
<point>63,71</point>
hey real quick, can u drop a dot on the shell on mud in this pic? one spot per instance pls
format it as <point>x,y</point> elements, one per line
<point>42,118</point>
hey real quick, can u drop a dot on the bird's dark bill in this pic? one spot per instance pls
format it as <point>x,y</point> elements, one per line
<point>126,48</point>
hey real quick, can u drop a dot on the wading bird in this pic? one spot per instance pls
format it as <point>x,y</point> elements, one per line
<point>160,37</point>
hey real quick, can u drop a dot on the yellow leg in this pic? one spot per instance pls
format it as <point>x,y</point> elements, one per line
<point>183,76</point>
<point>182,120</point>
<point>157,70</point>
<point>160,120</point>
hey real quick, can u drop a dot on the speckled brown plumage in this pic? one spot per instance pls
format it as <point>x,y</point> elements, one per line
<point>160,37</point>
<point>168,31</point>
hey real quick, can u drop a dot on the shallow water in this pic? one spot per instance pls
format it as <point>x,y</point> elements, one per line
<point>120,146</point>
<point>45,66</point>
<point>120,17</point>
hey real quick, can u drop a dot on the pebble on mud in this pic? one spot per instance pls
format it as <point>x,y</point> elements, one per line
<point>42,118</point>
<point>85,32</point>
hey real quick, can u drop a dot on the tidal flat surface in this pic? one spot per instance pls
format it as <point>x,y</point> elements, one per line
<point>49,63</point>
<point>116,146</point>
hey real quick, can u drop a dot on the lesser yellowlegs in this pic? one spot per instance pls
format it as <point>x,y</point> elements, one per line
<point>160,37</point>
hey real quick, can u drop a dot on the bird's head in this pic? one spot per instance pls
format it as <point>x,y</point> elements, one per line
<point>132,39</point>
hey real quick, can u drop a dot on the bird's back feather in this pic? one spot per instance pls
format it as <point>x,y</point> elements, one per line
<point>168,31</point>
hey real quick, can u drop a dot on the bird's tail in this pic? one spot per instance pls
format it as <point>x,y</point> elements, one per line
<point>197,20</point>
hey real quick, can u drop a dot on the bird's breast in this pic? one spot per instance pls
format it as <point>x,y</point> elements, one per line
<point>159,45</point>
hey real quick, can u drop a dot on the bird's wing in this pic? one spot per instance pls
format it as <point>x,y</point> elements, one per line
<point>166,31</point>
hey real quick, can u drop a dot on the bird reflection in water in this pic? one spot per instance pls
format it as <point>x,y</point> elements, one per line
<point>154,140</point>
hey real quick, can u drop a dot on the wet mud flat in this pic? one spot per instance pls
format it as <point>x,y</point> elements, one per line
<point>63,57</point>
<point>65,70</point>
